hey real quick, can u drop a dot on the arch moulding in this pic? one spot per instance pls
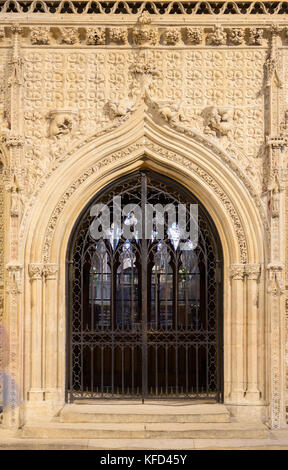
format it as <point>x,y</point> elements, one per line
<point>45,234</point>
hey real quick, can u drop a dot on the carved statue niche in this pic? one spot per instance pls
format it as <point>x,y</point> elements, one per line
<point>218,121</point>
<point>62,122</point>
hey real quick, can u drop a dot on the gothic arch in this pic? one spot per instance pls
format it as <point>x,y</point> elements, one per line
<point>144,142</point>
<point>132,146</point>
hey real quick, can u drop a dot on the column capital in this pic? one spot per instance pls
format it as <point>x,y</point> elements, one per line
<point>253,271</point>
<point>237,271</point>
<point>51,270</point>
<point>35,271</point>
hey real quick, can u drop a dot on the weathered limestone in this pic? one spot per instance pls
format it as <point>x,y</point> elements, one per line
<point>83,105</point>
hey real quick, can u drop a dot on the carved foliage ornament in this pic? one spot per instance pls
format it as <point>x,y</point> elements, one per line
<point>217,37</point>
<point>40,35</point>
<point>96,36</point>
<point>119,35</point>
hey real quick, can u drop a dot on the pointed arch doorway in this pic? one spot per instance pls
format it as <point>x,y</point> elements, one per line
<point>144,314</point>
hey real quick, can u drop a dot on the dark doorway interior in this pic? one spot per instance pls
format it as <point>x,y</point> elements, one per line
<point>144,315</point>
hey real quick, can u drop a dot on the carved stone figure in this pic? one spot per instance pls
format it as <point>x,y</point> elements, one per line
<point>120,108</point>
<point>236,36</point>
<point>217,121</point>
<point>61,123</point>
<point>255,36</point>
<point>144,32</point>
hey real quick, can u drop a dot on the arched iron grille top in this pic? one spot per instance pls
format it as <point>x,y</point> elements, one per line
<point>144,316</point>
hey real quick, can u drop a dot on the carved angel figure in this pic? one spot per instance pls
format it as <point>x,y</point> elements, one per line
<point>170,111</point>
<point>120,108</point>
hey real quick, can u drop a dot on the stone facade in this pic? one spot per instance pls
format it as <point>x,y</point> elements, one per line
<point>90,92</point>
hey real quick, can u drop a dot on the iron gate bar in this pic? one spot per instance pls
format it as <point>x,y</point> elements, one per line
<point>166,340</point>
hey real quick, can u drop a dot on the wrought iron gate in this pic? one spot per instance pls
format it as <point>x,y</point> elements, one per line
<point>144,316</point>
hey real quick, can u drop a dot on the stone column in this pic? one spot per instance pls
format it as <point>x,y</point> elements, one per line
<point>12,393</point>
<point>36,390</point>
<point>51,333</point>
<point>253,272</point>
<point>237,333</point>
<point>276,306</point>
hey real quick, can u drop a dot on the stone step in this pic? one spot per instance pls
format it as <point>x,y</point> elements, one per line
<point>145,431</point>
<point>146,413</point>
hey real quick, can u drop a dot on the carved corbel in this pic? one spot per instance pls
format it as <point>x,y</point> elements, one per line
<point>275,279</point>
<point>14,278</point>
